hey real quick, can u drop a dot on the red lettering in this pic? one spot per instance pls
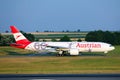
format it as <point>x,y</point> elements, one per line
<point>88,45</point>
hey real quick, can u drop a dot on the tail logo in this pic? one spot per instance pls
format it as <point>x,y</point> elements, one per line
<point>18,36</point>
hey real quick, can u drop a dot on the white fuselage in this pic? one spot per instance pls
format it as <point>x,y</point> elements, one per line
<point>65,46</point>
<point>61,47</point>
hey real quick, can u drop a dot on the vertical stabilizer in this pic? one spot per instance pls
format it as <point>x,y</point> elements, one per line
<point>19,37</point>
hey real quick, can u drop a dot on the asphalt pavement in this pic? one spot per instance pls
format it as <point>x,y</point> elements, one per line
<point>59,76</point>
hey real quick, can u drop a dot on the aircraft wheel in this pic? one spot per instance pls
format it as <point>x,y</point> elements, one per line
<point>60,55</point>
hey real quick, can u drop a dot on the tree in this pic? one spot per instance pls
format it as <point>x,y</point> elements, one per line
<point>0,38</point>
<point>91,36</point>
<point>6,40</point>
<point>53,40</point>
<point>28,36</point>
<point>95,36</point>
<point>104,36</point>
<point>6,31</point>
<point>117,38</point>
<point>65,38</point>
<point>63,31</point>
<point>37,31</point>
<point>78,30</point>
<point>108,37</point>
<point>67,31</point>
<point>79,40</point>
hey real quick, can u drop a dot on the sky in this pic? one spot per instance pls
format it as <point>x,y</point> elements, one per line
<point>59,15</point>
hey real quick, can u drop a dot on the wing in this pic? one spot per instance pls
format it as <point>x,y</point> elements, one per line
<point>58,47</point>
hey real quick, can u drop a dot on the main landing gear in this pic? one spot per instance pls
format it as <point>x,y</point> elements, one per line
<point>62,53</point>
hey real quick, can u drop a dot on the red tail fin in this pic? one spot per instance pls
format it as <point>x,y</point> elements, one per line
<point>14,29</point>
<point>19,37</point>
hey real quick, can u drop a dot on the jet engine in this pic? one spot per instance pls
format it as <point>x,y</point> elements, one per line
<point>74,52</point>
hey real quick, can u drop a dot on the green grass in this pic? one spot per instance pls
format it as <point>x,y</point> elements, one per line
<point>17,63</point>
<point>115,52</point>
<point>59,65</point>
<point>10,51</point>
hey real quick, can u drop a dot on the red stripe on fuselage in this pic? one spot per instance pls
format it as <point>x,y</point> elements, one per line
<point>23,43</point>
<point>20,44</point>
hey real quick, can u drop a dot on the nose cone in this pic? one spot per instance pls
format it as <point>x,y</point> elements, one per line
<point>112,48</point>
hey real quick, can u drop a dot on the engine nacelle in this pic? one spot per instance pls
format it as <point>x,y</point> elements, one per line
<point>74,52</point>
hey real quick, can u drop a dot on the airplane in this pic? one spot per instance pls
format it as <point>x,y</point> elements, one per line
<point>62,48</point>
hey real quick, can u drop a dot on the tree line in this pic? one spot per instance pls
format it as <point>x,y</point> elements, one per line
<point>93,36</point>
<point>6,40</point>
<point>104,36</point>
